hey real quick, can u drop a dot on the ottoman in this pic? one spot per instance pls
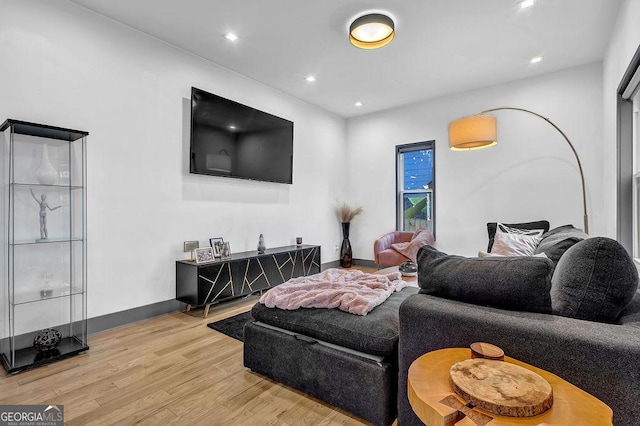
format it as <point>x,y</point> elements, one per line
<point>346,360</point>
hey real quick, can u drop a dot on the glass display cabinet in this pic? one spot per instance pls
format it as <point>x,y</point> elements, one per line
<point>44,248</point>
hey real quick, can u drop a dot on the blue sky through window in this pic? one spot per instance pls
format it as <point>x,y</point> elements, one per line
<point>418,169</point>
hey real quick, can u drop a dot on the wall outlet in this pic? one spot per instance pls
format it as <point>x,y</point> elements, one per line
<point>336,248</point>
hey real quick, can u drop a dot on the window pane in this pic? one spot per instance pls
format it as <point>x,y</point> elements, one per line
<point>416,209</point>
<point>418,169</point>
<point>415,200</point>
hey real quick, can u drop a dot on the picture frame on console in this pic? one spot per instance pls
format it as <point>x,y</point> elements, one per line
<point>204,255</point>
<point>225,251</point>
<point>216,244</point>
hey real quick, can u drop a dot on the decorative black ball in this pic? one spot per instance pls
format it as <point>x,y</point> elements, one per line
<point>47,339</point>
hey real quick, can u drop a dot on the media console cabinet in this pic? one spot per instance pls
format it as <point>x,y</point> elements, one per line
<point>242,274</point>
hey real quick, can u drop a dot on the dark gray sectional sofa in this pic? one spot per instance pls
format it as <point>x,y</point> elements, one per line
<point>575,313</point>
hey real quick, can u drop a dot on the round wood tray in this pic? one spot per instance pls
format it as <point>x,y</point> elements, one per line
<point>501,388</point>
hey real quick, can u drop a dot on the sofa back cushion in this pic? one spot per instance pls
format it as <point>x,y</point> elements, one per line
<point>555,242</point>
<point>515,283</point>
<point>594,280</point>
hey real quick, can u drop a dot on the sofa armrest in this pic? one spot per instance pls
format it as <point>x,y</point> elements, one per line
<point>601,359</point>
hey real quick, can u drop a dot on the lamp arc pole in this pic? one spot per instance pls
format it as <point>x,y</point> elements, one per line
<point>575,153</point>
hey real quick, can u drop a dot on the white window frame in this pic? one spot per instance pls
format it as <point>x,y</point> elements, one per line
<point>636,174</point>
<point>628,160</point>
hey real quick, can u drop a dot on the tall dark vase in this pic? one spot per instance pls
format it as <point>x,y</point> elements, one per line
<point>346,255</point>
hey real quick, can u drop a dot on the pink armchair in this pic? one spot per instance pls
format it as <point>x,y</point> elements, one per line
<point>384,254</point>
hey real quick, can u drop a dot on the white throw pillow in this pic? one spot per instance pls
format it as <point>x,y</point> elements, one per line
<point>504,229</point>
<point>514,244</point>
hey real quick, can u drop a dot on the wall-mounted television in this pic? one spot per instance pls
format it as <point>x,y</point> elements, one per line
<point>234,140</point>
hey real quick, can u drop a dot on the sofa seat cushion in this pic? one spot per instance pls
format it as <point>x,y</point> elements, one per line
<point>375,333</point>
<point>514,283</point>
<point>594,280</point>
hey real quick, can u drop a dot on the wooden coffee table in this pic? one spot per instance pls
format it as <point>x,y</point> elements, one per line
<point>433,399</point>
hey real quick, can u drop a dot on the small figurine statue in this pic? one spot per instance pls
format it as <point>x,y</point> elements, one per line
<point>261,245</point>
<point>44,235</point>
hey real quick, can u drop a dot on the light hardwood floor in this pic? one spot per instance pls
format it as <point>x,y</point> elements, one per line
<point>171,369</point>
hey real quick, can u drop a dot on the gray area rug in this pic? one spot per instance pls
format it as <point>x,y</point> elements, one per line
<point>232,326</point>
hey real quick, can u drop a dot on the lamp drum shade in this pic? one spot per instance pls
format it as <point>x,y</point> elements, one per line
<point>371,31</point>
<point>474,132</point>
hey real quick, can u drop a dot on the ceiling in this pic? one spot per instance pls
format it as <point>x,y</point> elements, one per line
<point>441,46</point>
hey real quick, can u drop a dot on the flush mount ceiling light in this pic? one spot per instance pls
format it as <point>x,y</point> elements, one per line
<point>371,31</point>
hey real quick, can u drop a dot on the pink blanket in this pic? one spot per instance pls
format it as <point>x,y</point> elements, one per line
<point>351,291</point>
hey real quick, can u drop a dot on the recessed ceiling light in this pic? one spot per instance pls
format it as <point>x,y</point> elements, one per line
<point>310,79</point>
<point>535,59</point>
<point>232,127</point>
<point>358,104</point>
<point>230,36</point>
<point>527,3</point>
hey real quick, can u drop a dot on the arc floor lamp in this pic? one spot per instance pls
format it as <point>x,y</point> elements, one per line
<point>480,131</point>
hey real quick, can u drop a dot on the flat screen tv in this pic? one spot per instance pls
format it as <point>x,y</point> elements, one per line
<point>233,140</point>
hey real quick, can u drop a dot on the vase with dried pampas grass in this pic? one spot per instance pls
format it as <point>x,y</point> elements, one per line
<point>345,215</point>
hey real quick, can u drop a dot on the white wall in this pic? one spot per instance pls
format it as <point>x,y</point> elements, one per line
<point>65,66</point>
<point>531,174</point>
<point>624,42</point>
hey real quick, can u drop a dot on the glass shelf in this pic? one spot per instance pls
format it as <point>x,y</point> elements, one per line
<point>28,357</point>
<point>49,241</point>
<point>41,185</point>
<point>56,292</point>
